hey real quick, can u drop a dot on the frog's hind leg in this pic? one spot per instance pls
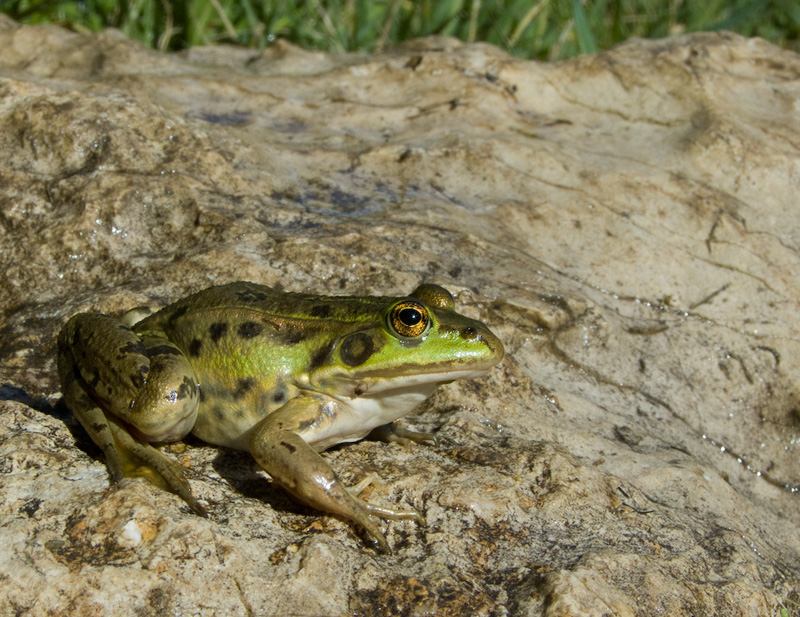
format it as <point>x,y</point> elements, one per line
<point>87,378</point>
<point>141,460</point>
<point>278,443</point>
<point>126,457</point>
<point>94,421</point>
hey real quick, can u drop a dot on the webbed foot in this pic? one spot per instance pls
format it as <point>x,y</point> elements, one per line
<point>395,434</point>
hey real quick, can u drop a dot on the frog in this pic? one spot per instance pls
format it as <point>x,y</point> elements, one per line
<point>282,375</point>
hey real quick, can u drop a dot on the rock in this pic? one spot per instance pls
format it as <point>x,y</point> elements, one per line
<point>626,222</point>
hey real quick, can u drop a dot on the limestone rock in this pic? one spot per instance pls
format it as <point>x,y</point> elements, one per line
<point>626,222</point>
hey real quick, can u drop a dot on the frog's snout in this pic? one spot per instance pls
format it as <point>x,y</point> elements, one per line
<point>495,346</point>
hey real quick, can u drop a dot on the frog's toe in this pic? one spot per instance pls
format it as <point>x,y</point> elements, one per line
<point>371,478</point>
<point>395,515</point>
<point>395,434</point>
<point>375,533</point>
<point>385,513</point>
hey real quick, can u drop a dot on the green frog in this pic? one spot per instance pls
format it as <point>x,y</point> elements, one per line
<point>282,375</point>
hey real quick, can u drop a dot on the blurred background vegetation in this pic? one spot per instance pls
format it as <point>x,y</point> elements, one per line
<point>541,29</point>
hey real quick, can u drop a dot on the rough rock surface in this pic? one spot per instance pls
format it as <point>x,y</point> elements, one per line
<point>627,223</point>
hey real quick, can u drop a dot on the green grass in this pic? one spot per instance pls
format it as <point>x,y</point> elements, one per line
<point>543,29</point>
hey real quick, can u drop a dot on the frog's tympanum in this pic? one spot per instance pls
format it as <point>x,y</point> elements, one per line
<point>282,375</point>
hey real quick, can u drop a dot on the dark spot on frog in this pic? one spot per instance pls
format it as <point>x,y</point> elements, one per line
<point>280,395</point>
<point>292,335</point>
<point>289,447</point>
<point>178,313</point>
<point>469,333</point>
<point>166,350</point>
<point>321,311</point>
<point>219,413</point>
<point>318,358</point>
<point>132,347</point>
<point>249,329</point>
<point>187,388</point>
<point>99,427</point>
<point>217,330</point>
<point>202,394</point>
<point>243,386</point>
<point>137,379</point>
<point>356,349</point>
<point>194,347</point>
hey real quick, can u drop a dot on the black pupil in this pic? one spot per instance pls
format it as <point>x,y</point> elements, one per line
<point>410,316</point>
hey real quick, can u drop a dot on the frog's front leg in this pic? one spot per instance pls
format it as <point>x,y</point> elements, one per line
<point>282,443</point>
<point>128,391</point>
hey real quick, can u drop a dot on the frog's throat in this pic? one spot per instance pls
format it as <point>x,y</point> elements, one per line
<point>355,384</point>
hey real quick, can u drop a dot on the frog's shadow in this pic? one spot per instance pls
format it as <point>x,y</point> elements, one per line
<point>11,392</point>
<point>57,410</point>
<point>235,467</point>
<point>238,469</point>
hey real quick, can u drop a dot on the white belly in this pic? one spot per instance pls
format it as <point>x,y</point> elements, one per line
<point>356,417</point>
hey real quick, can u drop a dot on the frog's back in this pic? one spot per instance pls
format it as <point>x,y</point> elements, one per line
<point>242,297</point>
<point>253,347</point>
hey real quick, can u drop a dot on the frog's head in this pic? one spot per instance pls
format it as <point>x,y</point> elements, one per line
<point>410,346</point>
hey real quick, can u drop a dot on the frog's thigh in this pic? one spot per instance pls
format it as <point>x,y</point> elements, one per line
<point>103,366</point>
<point>87,412</point>
<point>166,407</point>
<point>146,382</point>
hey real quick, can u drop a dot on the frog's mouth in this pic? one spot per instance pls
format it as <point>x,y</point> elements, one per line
<point>406,379</point>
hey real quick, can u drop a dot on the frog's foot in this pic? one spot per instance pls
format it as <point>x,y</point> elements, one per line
<point>394,434</point>
<point>126,457</point>
<point>298,468</point>
<point>132,459</point>
<point>386,513</point>
<point>361,515</point>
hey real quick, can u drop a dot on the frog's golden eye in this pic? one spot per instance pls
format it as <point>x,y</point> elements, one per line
<point>409,318</point>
